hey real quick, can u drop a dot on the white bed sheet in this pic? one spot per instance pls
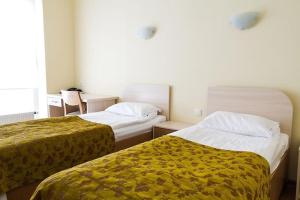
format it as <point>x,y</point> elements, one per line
<point>272,149</point>
<point>134,130</point>
<point>114,120</point>
<point>124,126</point>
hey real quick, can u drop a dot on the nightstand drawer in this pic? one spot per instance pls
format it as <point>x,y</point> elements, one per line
<point>158,132</point>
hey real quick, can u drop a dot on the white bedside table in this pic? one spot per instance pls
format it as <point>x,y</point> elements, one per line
<point>167,127</point>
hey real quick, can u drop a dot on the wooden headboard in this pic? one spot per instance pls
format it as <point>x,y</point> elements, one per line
<point>266,102</point>
<point>158,95</point>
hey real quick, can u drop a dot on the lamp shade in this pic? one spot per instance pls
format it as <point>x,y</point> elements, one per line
<point>244,20</point>
<point>146,32</point>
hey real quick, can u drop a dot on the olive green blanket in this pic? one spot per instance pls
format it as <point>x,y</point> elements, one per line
<point>165,168</point>
<point>31,151</point>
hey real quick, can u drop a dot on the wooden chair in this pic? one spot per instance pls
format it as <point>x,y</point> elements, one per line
<point>72,98</point>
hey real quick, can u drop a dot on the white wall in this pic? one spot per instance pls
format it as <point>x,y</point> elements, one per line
<point>59,44</point>
<point>195,47</point>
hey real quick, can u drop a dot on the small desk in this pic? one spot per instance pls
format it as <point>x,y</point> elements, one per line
<point>94,103</point>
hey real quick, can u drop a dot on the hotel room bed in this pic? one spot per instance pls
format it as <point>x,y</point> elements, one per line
<point>128,131</point>
<point>178,167</point>
<point>31,151</point>
<point>119,132</point>
<point>165,168</point>
<point>124,126</point>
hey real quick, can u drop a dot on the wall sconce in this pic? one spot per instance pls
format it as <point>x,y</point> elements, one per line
<point>244,20</point>
<point>146,32</point>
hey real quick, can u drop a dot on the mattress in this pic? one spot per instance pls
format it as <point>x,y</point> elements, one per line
<point>124,126</point>
<point>272,149</point>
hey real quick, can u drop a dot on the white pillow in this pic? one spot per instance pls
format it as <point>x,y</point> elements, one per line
<point>144,110</point>
<point>243,124</point>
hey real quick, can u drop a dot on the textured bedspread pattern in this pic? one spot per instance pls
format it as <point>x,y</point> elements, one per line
<point>165,168</point>
<point>31,151</point>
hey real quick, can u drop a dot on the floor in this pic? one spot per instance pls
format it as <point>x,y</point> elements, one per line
<point>289,192</point>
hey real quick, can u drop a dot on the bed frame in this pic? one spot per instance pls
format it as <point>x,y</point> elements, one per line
<point>270,103</point>
<point>155,94</point>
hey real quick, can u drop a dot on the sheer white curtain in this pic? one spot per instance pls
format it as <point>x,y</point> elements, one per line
<point>18,57</point>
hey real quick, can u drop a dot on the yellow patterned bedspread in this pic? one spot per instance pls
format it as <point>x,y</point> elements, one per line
<point>31,151</point>
<point>165,168</point>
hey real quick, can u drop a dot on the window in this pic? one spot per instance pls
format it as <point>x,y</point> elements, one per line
<point>18,60</point>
